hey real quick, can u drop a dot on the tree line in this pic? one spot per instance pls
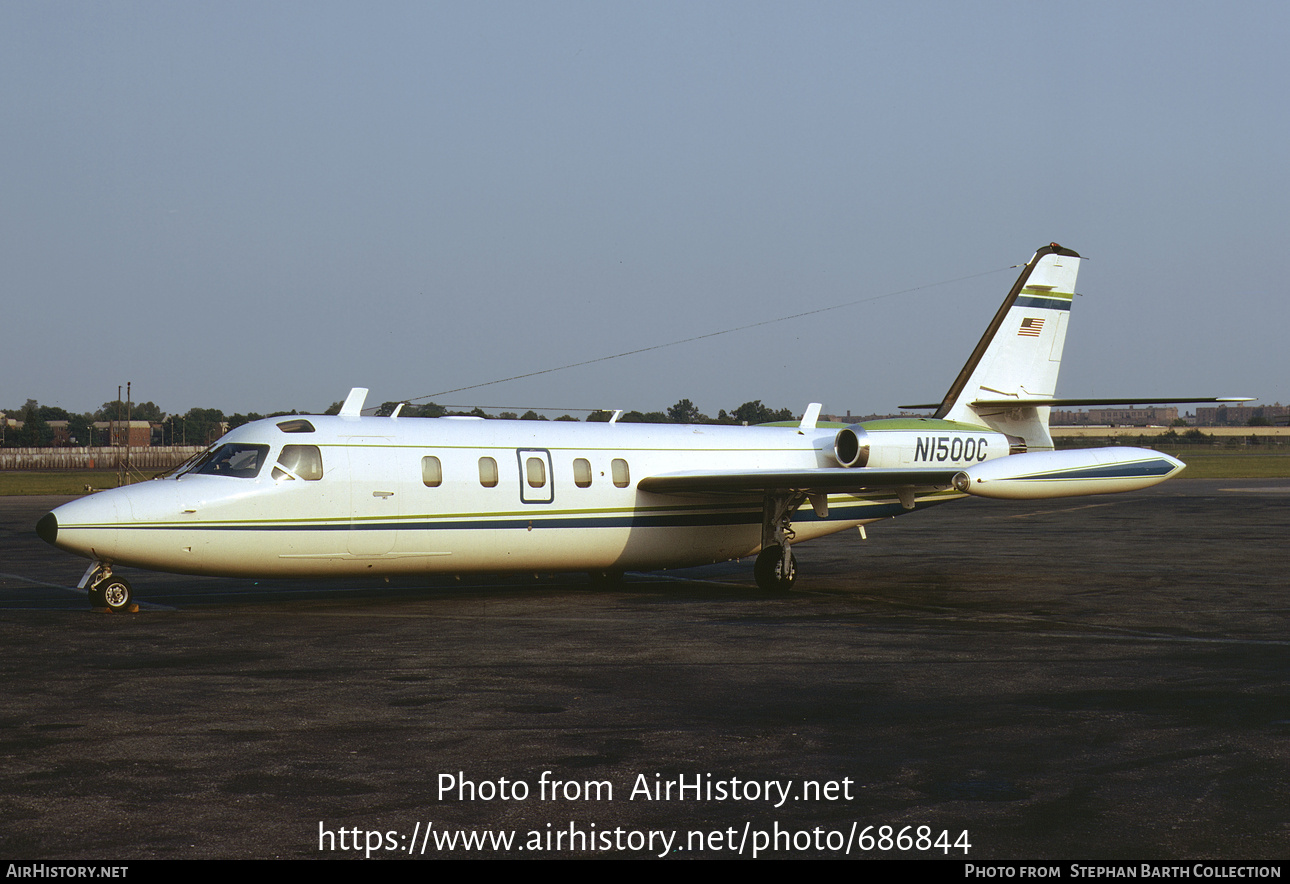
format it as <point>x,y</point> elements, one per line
<point>683,412</point>
<point>200,426</point>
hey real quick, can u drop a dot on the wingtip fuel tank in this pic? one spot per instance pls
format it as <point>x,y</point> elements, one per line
<point>1043,474</point>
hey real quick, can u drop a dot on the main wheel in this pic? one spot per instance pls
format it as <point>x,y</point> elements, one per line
<point>775,568</point>
<point>96,598</point>
<point>116,594</point>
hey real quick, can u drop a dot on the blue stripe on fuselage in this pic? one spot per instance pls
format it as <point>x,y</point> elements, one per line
<point>1049,303</point>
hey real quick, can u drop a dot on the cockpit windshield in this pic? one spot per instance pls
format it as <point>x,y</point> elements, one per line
<point>236,459</point>
<point>186,466</point>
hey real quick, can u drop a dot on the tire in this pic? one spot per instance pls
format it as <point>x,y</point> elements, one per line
<point>775,569</point>
<point>96,598</point>
<point>116,594</point>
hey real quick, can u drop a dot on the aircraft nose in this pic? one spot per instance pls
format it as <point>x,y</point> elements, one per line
<point>47,528</point>
<point>86,526</point>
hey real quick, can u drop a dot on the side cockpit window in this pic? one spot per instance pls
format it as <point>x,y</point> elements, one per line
<point>236,459</point>
<point>299,462</point>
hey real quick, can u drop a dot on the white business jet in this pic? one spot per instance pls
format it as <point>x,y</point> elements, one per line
<point>355,495</point>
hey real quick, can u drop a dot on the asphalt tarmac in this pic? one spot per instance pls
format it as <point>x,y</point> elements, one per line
<point>1091,678</point>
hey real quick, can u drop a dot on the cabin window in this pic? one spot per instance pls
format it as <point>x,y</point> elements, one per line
<point>296,426</point>
<point>431,471</point>
<point>299,461</point>
<point>234,459</point>
<point>535,472</point>
<point>582,472</point>
<point>488,472</point>
<point>622,477</point>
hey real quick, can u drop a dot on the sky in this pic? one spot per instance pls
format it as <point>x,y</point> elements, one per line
<point>256,206</point>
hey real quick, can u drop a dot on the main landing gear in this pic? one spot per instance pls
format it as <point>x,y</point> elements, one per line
<point>107,591</point>
<point>776,568</point>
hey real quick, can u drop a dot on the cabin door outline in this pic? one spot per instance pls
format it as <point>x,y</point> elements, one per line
<point>529,491</point>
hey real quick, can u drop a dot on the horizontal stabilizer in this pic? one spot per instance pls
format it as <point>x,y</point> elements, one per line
<point>1006,403</point>
<point>1065,403</point>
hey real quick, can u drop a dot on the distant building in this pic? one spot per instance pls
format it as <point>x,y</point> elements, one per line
<point>1241,415</point>
<point>140,433</point>
<point>62,435</point>
<point>1114,417</point>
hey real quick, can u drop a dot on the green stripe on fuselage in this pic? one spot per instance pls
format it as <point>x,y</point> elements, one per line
<point>1036,292</point>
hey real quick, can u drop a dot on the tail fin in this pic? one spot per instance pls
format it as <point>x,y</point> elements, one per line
<point>1018,357</point>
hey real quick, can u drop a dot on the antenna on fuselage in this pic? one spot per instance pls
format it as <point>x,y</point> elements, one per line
<point>353,406</point>
<point>810,418</point>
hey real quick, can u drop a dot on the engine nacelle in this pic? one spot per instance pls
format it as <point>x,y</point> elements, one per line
<point>918,442</point>
<point>1043,474</point>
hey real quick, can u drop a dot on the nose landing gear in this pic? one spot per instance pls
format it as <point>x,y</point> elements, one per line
<point>107,592</point>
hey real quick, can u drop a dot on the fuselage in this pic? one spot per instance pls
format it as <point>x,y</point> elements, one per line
<point>347,494</point>
<point>376,495</point>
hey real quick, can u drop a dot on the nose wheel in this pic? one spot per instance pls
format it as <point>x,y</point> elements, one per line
<point>107,591</point>
<point>116,594</point>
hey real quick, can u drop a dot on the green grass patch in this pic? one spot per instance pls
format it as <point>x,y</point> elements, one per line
<point>14,482</point>
<point>1233,465</point>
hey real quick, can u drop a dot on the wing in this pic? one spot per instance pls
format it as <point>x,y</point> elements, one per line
<point>807,481</point>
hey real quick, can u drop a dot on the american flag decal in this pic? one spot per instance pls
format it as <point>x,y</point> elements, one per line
<point>1031,327</point>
